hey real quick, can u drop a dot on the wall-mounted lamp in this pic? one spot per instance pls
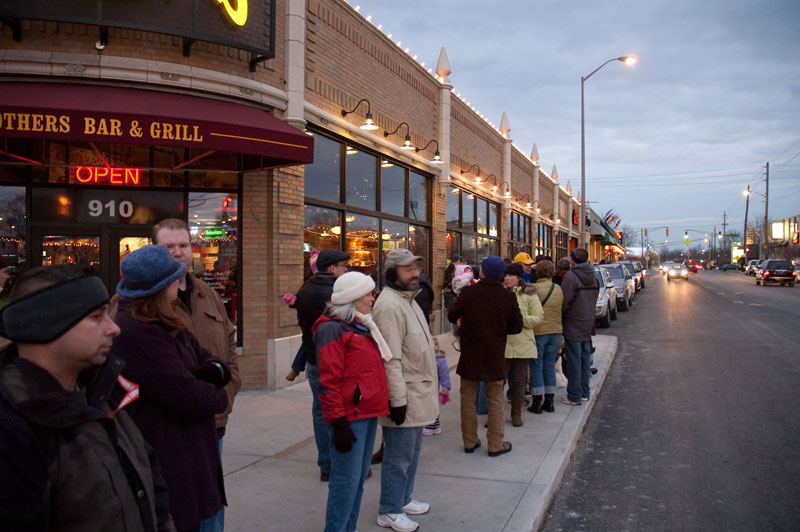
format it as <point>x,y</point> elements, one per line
<point>436,157</point>
<point>386,164</point>
<point>506,190</point>
<point>528,203</point>
<point>477,173</point>
<point>349,150</point>
<point>407,142</point>
<point>369,123</point>
<point>491,178</point>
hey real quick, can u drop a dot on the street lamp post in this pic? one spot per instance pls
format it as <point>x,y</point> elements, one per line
<point>628,60</point>
<point>746,208</point>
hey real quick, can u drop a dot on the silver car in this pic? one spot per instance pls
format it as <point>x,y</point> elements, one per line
<point>624,284</point>
<point>606,307</point>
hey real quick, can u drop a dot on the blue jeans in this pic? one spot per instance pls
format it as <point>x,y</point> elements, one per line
<point>481,404</point>
<point>299,362</point>
<point>216,523</point>
<point>320,432</point>
<point>543,369</point>
<point>348,473</point>
<point>579,369</point>
<point>401,448</point>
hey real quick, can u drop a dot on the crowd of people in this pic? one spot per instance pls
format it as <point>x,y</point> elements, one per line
<point>114,410</point>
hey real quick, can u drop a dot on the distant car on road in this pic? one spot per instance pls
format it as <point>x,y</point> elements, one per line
<point>728,267</point>
<point>624,284</point>
<point>776,271</point>
<point>750,269</point>
<point>680,271</point>
<point>667,266</point>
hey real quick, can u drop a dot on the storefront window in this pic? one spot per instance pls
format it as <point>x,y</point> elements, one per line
<point>468,249</point>
<point>83,252</point>
<point>493,217</point>
<point>361,242</point>
<point>544,237</point>
<point>394,235</point>
<point>361,180</point>
<point>214,228</point>
<point>418,197</point>
<point>561,245</point>
<point>519,233</point>
<point>323,176</point>
<point>13,224</point>
<point>467,211</point>
<point>323,228</point>
<point>480,216</point>
<point>393,190</point>
<point>452,242</point>
<point>418,243</point>
<point>453,212</point>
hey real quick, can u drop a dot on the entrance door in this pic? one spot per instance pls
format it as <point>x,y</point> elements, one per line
<point>121,243</point>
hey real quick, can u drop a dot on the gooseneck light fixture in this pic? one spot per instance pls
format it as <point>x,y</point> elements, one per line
<point>506,190</point>
<point>491,178</point>
<point>477,172</point>
<point>528,203</point>
<point>437,159</point>
<point>628,60</point>
<point>369,123</point>
<point>407,142</point>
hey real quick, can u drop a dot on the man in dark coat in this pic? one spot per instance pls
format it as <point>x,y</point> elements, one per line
<point>310,303</point>
<point>580,289</point>
<point>70,456</point>
<point>488,313</point>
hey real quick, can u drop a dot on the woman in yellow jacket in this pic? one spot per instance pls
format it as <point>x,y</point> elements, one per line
<point>521,348</point>
<point>548,339</point>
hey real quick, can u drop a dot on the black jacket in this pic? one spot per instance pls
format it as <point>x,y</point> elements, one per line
<point>310,303</point>
<point>425,296</point>
<point>65,464</point>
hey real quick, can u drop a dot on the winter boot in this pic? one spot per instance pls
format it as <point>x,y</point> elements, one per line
<point>536,405</point>
<point>548,403</point>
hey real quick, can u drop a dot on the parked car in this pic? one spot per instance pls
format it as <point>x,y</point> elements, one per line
<point>638,265</point>
<point>606,308</point>
<point>623,283</point>
<point>776,271</point>
<point>728,267</point>
<point>637,276</point>
<point>680,271</point>
<point>750,269</point>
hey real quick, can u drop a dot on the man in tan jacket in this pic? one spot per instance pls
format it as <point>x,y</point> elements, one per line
<point>413,389</point>
<point>204,312</point>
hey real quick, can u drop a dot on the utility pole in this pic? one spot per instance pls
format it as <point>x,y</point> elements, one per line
<point>765,231</point>
<point>744,235</point>
<point>724,234</point>
<point>714,246</point>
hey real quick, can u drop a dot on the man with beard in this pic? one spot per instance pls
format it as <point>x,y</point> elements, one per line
<point>413,389</point>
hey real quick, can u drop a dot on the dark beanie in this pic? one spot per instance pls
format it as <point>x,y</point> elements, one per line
<point>514,268</point>
<point>579,255</point>
<point>493,267</point>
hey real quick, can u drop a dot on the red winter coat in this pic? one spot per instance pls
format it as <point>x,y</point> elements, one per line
<point>350,371</point>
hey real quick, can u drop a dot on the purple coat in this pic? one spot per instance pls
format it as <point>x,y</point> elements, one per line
<point>175,413</point>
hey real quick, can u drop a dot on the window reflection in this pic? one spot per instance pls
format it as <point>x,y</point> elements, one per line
<point>394,235</point>
<point>361,180</point>
<point>362,243</point>
<point>417,197</point>
<point>393,190</point>
<point>13,224</point>
<point>418,243</point>
<point>323,176</point>
<point>480,218</point>
<point>453,213</point>
<point>323,228</point>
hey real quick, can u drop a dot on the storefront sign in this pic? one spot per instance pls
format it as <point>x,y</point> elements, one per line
<point>100,175</point>
<point>101,206</point>
<point>228,22</point>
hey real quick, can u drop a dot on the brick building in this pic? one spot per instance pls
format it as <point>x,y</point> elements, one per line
<point>108,125</point>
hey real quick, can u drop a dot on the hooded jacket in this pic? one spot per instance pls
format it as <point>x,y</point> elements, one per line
<point>580,289</point>
<point>523,345</point>
<point>310,304</point>
<point>65,464</point>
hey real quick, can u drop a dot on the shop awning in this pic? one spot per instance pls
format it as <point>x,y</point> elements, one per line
<point>94,113</point>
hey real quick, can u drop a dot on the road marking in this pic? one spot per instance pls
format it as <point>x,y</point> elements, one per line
<point>756,305</point>
<point>720,293</point>
<point>740,302</point>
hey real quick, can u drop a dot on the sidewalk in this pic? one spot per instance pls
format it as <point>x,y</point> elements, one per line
<point>272,479</point>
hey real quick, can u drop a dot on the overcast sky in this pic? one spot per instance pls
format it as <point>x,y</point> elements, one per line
<point>672,141</point>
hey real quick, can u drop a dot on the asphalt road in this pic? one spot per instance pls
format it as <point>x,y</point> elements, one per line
<point>698,424</point>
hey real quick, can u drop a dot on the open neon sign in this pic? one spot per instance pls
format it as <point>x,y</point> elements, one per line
<point>103,175</point>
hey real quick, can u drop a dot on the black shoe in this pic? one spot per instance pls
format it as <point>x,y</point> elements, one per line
<point>548,405</point>
<point>324,476</point>
<point>377,458</point>
<point>472,449</point>
<point>594,371</point>
<point>536,405</point>
<point>593,349</point>
<point>506,448</point>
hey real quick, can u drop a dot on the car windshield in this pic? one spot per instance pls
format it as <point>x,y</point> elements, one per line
<point>615,273</point>
<point>599,278</point>
<point>629,267</point>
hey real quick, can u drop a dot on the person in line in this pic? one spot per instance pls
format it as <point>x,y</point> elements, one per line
<point>489,314</point>
<point>310,303</point>
<point>353,393</point>
<point>580,289</point>
<point>205,316</point>
<point>444,389</point>
<point>71,458</point>
<point>562,268</point>
<point>449,272</point>
<point>181,385</point>
<point>413,389</point>
<point>528,275</point>
<point>548,339</point>
<point>521,347</point>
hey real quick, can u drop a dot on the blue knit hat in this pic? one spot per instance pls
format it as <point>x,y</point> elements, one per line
<point>147,271</point>
<point>493,267</point>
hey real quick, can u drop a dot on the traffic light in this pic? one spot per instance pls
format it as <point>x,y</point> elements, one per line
<point>645,232</point>
<point>795,237</point>
<point>667,231</point>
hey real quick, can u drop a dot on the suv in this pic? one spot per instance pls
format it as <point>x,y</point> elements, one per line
<point>606,306</point>
<point>776,271</point>
<point>637,275</point>
<point>623,282</point>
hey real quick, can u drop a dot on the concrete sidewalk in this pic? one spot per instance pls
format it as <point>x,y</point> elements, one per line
<point>272,479</point>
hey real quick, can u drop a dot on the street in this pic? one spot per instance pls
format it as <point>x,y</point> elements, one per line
<point>697,425</point>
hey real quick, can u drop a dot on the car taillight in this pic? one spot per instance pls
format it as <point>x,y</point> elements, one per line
<point>766,273</point>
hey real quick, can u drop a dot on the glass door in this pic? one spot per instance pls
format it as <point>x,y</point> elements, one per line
<point>60,247</point>
<point>121,243</point>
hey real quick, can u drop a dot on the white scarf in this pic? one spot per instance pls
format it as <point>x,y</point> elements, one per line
<point>367,321</point>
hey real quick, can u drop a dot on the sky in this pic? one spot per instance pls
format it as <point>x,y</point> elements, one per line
<point>672,141</point>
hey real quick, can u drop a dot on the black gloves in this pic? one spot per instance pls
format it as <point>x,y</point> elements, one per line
<point>398,414</point>
<point>343,437</point>
<point>213,372</point>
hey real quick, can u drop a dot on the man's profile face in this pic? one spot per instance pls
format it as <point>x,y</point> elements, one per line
<point>339,268</point>
<point>527,267</point>
<point>408,276</point>
<point>178,243</point>
<point>88,342</point>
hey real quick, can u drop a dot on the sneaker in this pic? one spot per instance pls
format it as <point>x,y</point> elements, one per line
<point>567,401</point>
<point>397,522</point>
<point>430,432</point>
<point>416,507</point>
<point>585,399</point>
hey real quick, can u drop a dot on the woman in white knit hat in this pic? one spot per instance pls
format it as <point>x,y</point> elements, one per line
<point>353,392</point>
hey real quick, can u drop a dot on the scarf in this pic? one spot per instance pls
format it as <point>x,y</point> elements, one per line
<point>367,321</point>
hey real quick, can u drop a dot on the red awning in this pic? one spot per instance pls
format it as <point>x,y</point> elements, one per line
<point>93,113</point>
